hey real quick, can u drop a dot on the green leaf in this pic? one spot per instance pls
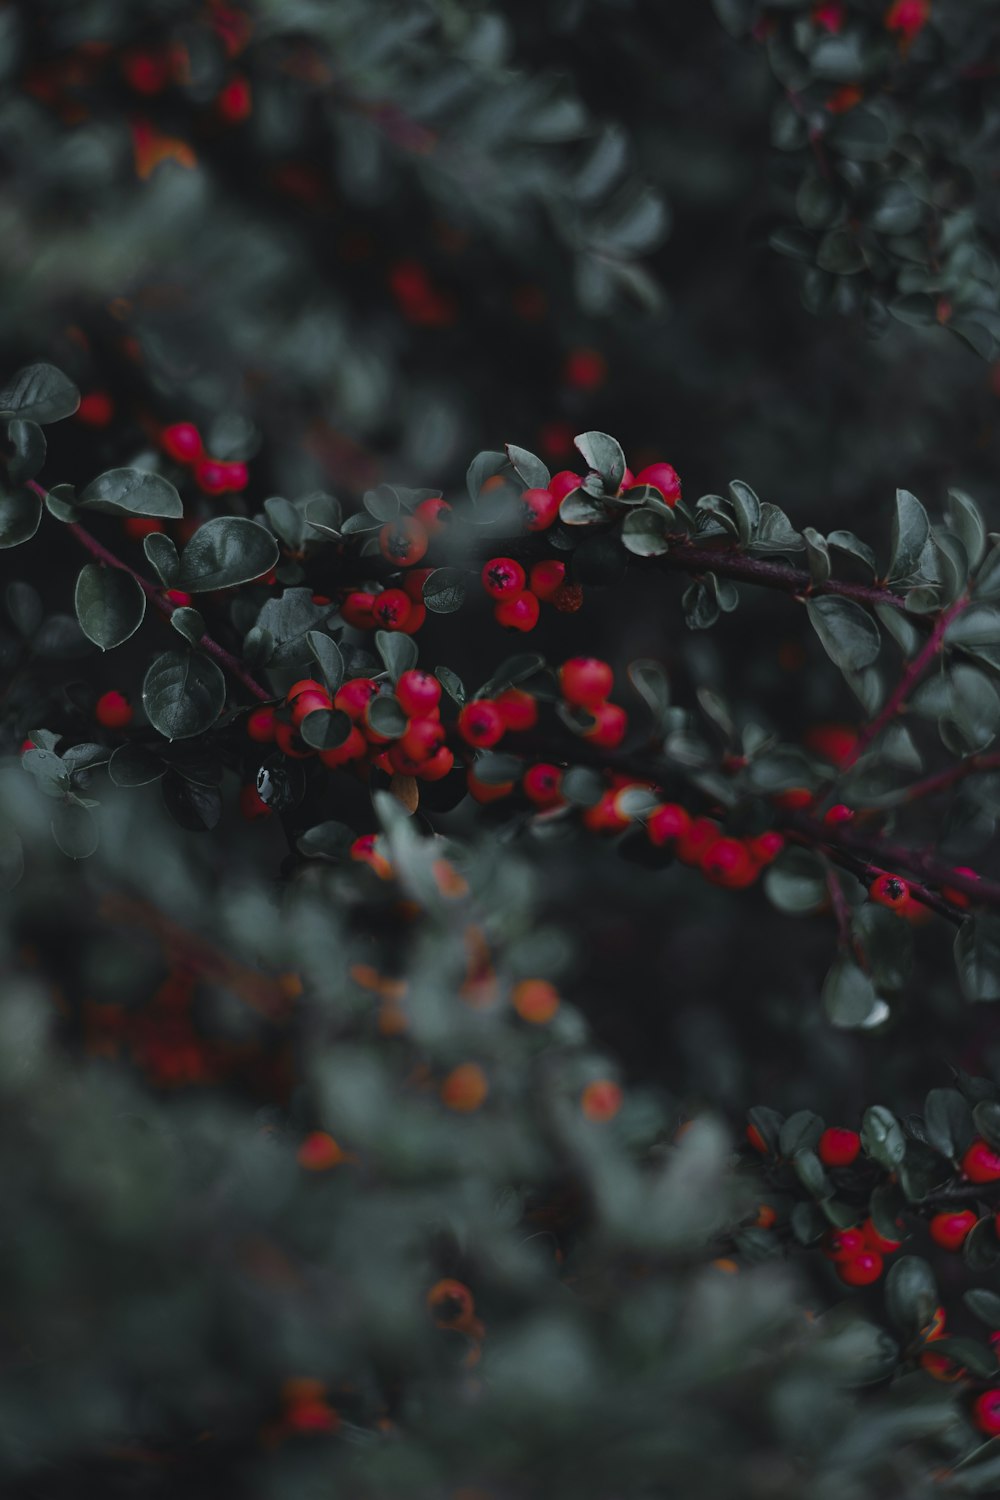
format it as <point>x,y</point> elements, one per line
<point>183,694</point>
<point>24,606</point>
<point>910,531</point>
<point>948,1122</point>
<point>20,514</point>
<point>850,999</point>
<point>327,654</point>
<point>580,509</point>
<point>287,520</point>
<point>452,684</point>
<point>137,492</point>
<point>861,134</point>
<point>528,468</point>
<point>978,625</point>
<point>327,729</point>
<point>161,552</point>
<point>60,501</point>
<point>514,670</point>
<point>75,830</point>
<point>39,393</point>
<point>846,541</point>
<point>484,466</point>
<point>882,1137</point>
<point>973,705</point>
<point>28,441</point>
<point>399,652</point>
<point>746,509</point>
<point>444,590</point>
<point>386,716</point>
<point>135,765</point>
<point>817,201</point>
<point>964,518</point>
<point>286,623</point>
<point>497,769</point>
<point>226,551</point>
<point>189,623</point>
<point>326,841</point>
<point>817,554</point>
<point>110,605</point>
<point>848,633</point>
<point>60,636</point>
<point>796,882</point>
<point>986,1114</point>
<point>582,786</point>
<point>981,1252</point>
<point>799,1132</point>
<point>775,533</point>
<point>196,808</point>
<point>650,680</point>
<point>984,1305</point>
<point>911,1295</point>
<point>840,253</point>
<point>987,584</point>
<point>895,208</point>
<point>604,455</point>
<point>644,532</point>
<point>700,604</point>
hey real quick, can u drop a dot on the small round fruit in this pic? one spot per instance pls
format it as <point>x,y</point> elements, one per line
<point>541,785</point>
<point>862,1269</point>
<point>423,738</point>
<point>413,582</point>
<point>585,681</point>
<point>414,620</point>
<point>958,898</point>
<point>438,766</point>
<point>535,1000</point>
<point>662,477</point>
<point>358,609</point>
<point>666,823</point>
<point>96,409</point>
<point>564,483</point>
<point>260,725</point>
<point>182,442</point>
<point>353,748</point>
<point>756,1140</point>
<point>403,541</point>
<point>546,577</point>
<point>844,1244</point>
<point>434,514</point>
<point>113,710</point>
<point>727,862</point>
<point>610,726</point>
<point>950,1231</point>
<point>140,527</point>
<point>540,509</point>
<point>766,847</point>
<point>503,577</point>
<point>838,814</point>
<point>419,693</point>
<point>480,723</point>
<point>981,1163</point>
<point>890,891</point>
<point>483,792</point>
<point>518,613</point>
<point>519,709</point>
<point>354,696</point>
<point>289,743</point>
<point>986,1412</point>
<point>309,703</point>
<point>391,609</point>
<point>876,1241</point>
<point>212,477</point>
<point>838,1147</point>
<point>251,805</point>
<point>237,475</point>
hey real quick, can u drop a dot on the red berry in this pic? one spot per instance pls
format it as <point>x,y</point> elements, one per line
<point>289,743</point>
<point>838,814</point>
<point>179,597</point>
<point>546,577</point>
<point>861,1269</point>
<point>766,847</point>
<point>908,17</point>
<point>139,527</point>
<point>981,1163</point>
<point>113,710</point>
<point>838,1147</point>
<point>662,477</point>
<point>413,583</point>
<point>419,693</point>
<point>438,766</point>
<point>403,541</point>
<point>399,760</point>
<point>96,409</point>
<point>833,742</point>
<point>212,477</point>
<point>876,1241</point>
<point>304,685</point>
<point>309,703</point>
<point>502,577</point>
<point>727,862</point>
<point>890,891</point>
<point>844,1244</point>
<point>251,805</point>
<point>358,610</point>
<point>260,725</point>
<point>519,709</point>
<point>434,514</point>
<point>235,102</point>
<point>605,816</point>
<point>794,799</point>
<point>697,836</point>
<point>423,738</point>
<point>237,477</point>
<point>958,898</point>
<point>950,1231</point>
<point>352,749</point>
<point>986,1412</point>
<point>414,620</point>
<point>145,73</point>
<point>181,442</point>
<point>541,785</point>
<point>392,609</point>
<point>611,723</point>
<point>585,369</point>
<point>481,792</point>
<point>585,681</point>
<point>666,823</point>
<point>564,483</point>
<point>540,509</point>
<point>518,613</point>
<point>354,696</point>
<point>481,723</point>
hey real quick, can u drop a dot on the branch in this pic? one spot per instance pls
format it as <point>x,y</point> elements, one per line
<point>166,606</point>
<point>942,781</point>
<point>904,687</point>
<point>729,562</point>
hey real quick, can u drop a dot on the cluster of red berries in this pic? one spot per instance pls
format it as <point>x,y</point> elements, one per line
<point>419,749</point>
<point>540,507</point>
<point>403,542</point>
<point>182,442</point>
<point>517,595</point>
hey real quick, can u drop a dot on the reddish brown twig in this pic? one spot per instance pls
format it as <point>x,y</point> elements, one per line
<point>729,562</point>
